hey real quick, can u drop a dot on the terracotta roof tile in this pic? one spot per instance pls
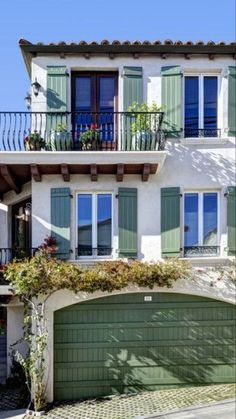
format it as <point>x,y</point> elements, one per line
<point>23,41</point>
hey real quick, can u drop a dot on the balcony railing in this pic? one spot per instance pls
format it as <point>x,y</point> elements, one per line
<point>198,251</point>
<point>8,254</point>
<point>87,251</point>
<point>202,133</point>
<point>81,131</point>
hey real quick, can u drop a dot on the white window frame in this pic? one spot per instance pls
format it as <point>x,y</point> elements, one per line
<point>201,76</point>
<point>200,215</point>
<point>94,221</point>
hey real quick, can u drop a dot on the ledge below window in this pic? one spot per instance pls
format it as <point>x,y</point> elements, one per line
<point>203,140</point>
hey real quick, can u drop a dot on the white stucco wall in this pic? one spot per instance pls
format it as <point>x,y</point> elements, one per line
<point>3,225</point>
<point>151,75</point>
<point>194,167</point>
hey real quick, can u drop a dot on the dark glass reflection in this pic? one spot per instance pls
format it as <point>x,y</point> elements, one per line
<point>210,219</point>
<point>104,224</point>
<point>191,219</point>
<point>191,122</point>
<point>210,106</point>
<point>84,224</point>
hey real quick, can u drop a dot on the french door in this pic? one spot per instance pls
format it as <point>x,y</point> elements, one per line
<point>94,104</point>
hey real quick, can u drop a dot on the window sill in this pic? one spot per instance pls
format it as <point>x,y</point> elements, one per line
<point>204,140</point>
<point>209,260</point>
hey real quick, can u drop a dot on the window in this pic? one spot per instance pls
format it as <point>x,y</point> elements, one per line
<point>200,223</point>
<point>201,105</point>
<point>94,224</point>
<point>94,103</point>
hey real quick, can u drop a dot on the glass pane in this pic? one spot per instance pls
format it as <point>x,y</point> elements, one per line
<point>104,224</point>
<point>83,94</point>
<point>191,123</point>
<point>191,219</point>
<point>210,106</point>
<point>84,223</point>
<point>210,219</point>
<point>106,104</point>
<point>107,94</point>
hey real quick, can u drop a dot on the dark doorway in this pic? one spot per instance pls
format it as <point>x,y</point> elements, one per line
<point>21,227</point>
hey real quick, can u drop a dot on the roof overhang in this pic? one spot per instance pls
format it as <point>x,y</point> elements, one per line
<point>30,50</point>
<point>18,168</point>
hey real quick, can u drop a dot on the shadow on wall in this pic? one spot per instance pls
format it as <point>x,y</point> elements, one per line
<point>204,160</point>
<point>175,340</point>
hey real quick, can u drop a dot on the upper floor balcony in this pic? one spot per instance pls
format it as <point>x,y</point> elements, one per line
<point>81,131</point>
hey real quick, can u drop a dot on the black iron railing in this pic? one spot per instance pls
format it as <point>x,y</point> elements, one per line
<point>81,131</point>
<point>83,251</point>
<point>198,251</point>
<point>8,254</point>
<point>202,133</point>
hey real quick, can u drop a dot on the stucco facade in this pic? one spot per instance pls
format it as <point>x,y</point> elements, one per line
<point>192,164</point>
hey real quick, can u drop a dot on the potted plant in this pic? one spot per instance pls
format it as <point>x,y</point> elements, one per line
<point>91,138</point>
<point>34,142</point>
<point>144,124</point>
<point>61,139</point>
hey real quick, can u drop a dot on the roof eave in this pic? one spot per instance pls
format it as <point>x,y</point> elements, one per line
<point>28,50</point>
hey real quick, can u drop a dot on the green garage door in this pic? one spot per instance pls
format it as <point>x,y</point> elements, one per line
<point>142,341</point>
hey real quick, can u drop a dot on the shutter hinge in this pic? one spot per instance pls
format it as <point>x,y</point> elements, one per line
<point>71,250</point>
<point>181,195</point>
<point>71,196</point>
<point>117,196</point>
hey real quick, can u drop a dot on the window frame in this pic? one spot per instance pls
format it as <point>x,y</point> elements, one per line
<point>95,92</point>
<point>201,75</point>
<point>94,221</point>
<point>201,215</point>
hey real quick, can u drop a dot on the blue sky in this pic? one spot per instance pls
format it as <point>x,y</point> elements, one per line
<point>73,20</point>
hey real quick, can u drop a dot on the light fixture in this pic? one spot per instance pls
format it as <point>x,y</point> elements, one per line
<point>36,87</point>
<point>27,100</point>
<point>28,209</point>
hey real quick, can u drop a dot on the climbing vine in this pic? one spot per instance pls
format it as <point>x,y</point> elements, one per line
<point>35,280</point>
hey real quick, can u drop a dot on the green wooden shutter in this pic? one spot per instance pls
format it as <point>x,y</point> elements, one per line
<point>171,86</point>
<point>128,242</point>
<point>232,101</point>
<point>133,92</point>
<point>231,220</point>
<point>133,86</point>
<point>56,100</point>
<point>60,220</point>
<point>170,222</point>
<point>56,89</point>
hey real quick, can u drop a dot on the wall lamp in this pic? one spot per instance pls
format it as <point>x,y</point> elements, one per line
<point>36,87</point>
<point>28,209</point>
<point>27,100</point>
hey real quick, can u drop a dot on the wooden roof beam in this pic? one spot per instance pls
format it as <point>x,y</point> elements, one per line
<point>6,174</point>
<point>93,172</point>
<point>65,172</point>
<point>35,172</point>
<point>120,172</point>
<point>146,172</point>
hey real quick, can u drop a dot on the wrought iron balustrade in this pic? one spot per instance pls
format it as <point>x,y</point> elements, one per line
<point>202,133</point>
<point>8,254</point>
<point>198,251</point>
<point>81,131</point>
<point>87,251</point>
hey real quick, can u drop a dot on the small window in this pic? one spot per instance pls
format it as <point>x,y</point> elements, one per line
<point>201,223</point>
<point>94,224</point>
<point>201,104</point>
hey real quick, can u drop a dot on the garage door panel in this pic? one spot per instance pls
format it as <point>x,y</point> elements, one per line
<point>145,332</point>
<point>121,343</point>
<point>137,313</point>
